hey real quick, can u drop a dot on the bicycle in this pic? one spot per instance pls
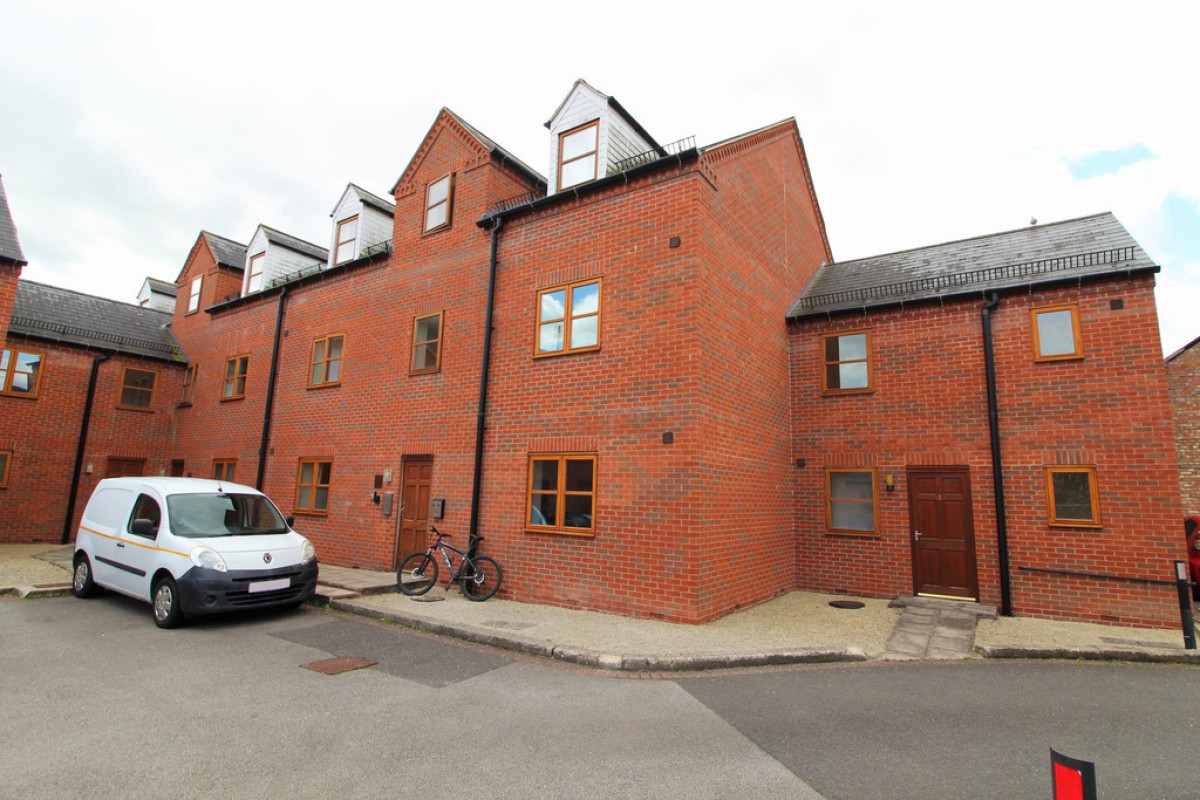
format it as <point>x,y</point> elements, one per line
<point>480,576</point>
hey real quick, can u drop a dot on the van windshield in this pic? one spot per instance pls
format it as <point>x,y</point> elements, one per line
<point>215,514</point>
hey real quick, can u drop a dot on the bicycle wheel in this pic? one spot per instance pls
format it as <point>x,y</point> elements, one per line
<point>417,574</point>
<point>484,580</point>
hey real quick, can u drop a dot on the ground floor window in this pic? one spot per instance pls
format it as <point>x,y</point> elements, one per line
<point>224,469</point>
<point>1071,496</point>
<point>850,505</point>
<point>312,485</point>
<point>562,493</point>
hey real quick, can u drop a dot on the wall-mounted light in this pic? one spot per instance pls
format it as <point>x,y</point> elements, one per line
<point>889,481</point>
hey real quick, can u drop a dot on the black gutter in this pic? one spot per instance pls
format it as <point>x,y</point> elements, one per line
<point>989,358</point>
<point>481,412</point>
<point>79,451</point>
<point>266,427</point>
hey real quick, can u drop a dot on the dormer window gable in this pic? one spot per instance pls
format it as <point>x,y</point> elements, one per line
<point>362,226</point>
<point>592,137</point>
<point>274,257</point>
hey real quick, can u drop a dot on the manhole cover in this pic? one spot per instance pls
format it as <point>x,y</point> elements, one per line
<point>339,664</point>
<point>846,604</point>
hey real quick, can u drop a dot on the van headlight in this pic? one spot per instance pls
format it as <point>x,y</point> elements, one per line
<point>207,558</point>
<point>307,552</point>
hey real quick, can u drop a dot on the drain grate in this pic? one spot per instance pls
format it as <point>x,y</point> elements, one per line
<point>339,664</point>
<point>846,604</point>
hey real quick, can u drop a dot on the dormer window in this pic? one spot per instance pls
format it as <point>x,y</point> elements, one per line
<point>578,152</point>
<point>194,295</point>
<point>347,237</point>
<point>254,280</point>
<point>439,197</point>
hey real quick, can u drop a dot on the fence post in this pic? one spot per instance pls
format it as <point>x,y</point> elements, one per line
<point>1183,588</point>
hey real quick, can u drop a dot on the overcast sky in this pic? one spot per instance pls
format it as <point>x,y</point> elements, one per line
<point>130,126</point>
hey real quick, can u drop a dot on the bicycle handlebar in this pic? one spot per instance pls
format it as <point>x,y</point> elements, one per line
<point>432,527</point>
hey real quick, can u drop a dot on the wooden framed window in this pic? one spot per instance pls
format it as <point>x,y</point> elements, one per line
<point>224,469</point>
<point>254,275</point>
<point>1056,334</point>
<point>5,466</point>
<point>194,294</point>
<point>439,202</point>
<point>235,377</point>
<point>20,372</point>
<point>568,318</point>
<point>1072,498</point>
<point>578,155</point>
<point>562,493</point>
<point>427,343</point>
<point>847,362</point>
<point>326,369</point>
<point>137,389</point>
<point>189,386</point>
<point>347,238</point>
<point>851,504</point>
<point>312,485</point>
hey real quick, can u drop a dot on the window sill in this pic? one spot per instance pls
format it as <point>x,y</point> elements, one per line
<point>136,408</point>
<point>1076,526</point>
<point>331,385</point>
<point>310,513</point>
<point>447,226</point>
<point>845,392</point>
<point>16,396</point>
<point>556,532</point>
<point>1055,359</point>
<point>184,404</point>
<point>231,399</point>
<point>855,534</point>
<point>433,371</point>
<point>556,353</point>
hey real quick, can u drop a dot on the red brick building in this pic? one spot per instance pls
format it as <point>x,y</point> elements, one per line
<point>599,372</point>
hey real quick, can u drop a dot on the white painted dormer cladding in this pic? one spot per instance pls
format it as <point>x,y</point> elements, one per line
<point>268,259</point>
<point>158,295</point>
<point>588,137</point>
<point>357,226</point>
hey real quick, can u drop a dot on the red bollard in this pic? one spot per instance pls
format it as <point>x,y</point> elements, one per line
<point>1071,778</point>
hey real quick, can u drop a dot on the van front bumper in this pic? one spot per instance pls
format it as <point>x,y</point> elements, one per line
<point>206,591</point>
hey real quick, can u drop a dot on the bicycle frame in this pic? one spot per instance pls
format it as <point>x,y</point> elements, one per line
<point>455,574</point>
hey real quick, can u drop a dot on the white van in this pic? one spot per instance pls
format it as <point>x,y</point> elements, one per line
<point>190,546</point>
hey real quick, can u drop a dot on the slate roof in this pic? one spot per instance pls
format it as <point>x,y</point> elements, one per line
<point>61,315</point>
<point>292,243</point>
<point>10,247</point>
<point>160,286</point>
<point>227,252</point>
<point>1077,249</point>
<point>385,206</point>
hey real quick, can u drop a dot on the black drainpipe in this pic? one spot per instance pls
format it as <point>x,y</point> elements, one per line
<point>481,413</point>
<point>266,427</point>
<point>79,452</point>
<point>997,464</point>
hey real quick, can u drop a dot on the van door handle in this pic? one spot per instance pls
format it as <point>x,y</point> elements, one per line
<point>120,544</point>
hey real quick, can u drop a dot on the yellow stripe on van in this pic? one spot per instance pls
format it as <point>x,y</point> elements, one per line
<point>133,542</point>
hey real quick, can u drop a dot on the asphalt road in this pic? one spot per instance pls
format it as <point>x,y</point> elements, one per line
<point>98,702</point>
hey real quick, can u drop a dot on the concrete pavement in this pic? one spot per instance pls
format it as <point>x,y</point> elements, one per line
<point>798,627</point>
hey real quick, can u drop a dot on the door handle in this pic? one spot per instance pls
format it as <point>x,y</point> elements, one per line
<point>916,536</point>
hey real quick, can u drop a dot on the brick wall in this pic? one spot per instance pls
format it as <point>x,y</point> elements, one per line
<point>1183,377</point>
<point>1108,410</point>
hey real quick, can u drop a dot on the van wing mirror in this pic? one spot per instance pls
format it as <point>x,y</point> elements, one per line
<point>291,521</point>
<point>144,527</point>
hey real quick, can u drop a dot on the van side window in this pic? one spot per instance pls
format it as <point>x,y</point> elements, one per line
<point>146,507</point>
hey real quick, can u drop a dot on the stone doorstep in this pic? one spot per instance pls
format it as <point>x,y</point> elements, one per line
<point>917,602</point>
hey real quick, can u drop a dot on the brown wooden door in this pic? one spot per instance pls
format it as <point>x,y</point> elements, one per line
<point>942,531</point>
<point>417,474</point>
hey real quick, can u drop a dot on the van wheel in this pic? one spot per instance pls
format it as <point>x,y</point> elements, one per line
<point>82,584</point>
<point>165,600</point>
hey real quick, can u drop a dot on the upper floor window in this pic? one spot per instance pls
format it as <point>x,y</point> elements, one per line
<point>427,343</point>
<point>569,318</point>
<point>1071,494</point>
<point>224,469</point>
<point>137,388</point>
<point>254,280</point>
<point>562,493</point>
<point>347,236</point>
<point>1056,332</point>
<point>312,485</point>
<point>439,198</point>
<point>194,295</point>
<point>20,373</point>
<point>235,377</point>
<point>189,385</point>
<point>850,500</point>
<point>5,463</point>
<point>326,361</point>
<point>847,360</point>
<point>578,155</point>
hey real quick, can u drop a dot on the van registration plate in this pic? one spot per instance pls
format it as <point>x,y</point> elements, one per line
<point>269,586</point>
